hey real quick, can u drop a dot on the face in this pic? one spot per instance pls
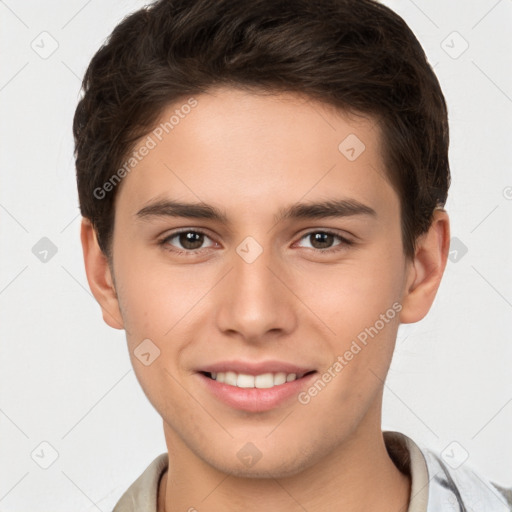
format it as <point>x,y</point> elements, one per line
<point>273,320</point>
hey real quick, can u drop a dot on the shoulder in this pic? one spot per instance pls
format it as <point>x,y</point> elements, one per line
<point>142,495</point>
<point>456,486</point>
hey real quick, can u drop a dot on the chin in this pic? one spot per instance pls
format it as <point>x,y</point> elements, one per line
<point>278,465</point>
<point>263,471</point>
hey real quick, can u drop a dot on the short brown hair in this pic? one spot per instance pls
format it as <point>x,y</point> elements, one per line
<point>357,55</point>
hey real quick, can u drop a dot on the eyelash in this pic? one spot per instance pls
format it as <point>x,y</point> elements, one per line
<point>164,243</point>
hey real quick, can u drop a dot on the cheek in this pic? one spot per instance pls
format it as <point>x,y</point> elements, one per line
<point>359,303</point>
<point>351,296</point>
<point>153,297</point>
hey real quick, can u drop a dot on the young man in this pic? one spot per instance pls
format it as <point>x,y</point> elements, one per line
<point>262,184</point>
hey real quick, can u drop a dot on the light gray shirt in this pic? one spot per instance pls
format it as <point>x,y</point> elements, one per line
<point>435,485</point>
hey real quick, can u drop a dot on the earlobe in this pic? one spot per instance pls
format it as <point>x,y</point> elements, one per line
<point>99,276</point>
<point>427,269</point>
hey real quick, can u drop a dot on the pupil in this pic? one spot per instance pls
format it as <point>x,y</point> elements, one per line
<point>191,240</point>
<point>323,239</point>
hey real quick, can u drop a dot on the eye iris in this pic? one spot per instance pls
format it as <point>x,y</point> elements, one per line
<point>191,240</point>
<point>323,239</point>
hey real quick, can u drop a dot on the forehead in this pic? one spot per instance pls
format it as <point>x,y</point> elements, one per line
<point>247,150</point>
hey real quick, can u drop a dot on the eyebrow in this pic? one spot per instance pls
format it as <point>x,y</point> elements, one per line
<point>313,210</point>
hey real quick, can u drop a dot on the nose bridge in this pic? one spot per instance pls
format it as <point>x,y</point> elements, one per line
<point>252,274</point>
<point>254,301</point>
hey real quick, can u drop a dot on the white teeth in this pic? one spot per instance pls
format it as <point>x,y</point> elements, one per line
<point>230,378</point>
<point>262,381</point>
<point>244,381</point>
<point>279,378</point>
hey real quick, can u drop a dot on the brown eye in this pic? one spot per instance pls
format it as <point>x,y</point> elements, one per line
<point>191,240</point>
<point>324,241</point>
<point>185,241</point>
<point>321,240</point>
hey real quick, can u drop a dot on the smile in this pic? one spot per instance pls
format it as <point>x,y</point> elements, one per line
<point>255,388</point>
<point>261,381</point>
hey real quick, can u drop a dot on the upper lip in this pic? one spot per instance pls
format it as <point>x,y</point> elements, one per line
<point>255,368</point>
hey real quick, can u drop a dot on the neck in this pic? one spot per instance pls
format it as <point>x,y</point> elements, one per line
<point>357,476</point>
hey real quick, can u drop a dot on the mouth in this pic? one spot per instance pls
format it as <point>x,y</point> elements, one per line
<point>255,388</point>
<point>260,381</point>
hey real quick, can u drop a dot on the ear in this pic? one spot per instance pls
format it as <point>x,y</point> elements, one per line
<point>99,276</point>
<point>426,270</point>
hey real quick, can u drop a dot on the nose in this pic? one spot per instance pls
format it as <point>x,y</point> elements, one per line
<point>255,299</point>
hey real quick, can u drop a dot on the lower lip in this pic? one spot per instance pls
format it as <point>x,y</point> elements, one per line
<point>255,399</point>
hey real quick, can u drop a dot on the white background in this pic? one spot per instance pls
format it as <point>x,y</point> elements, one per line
<point>65,377</point>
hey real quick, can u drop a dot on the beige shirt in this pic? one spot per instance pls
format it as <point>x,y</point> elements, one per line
<point>143,493</point>
<point>435,487</point>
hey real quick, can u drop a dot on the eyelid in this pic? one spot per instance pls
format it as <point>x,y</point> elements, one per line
<point>163,241</point>
<point>331,231</point>
<point>344,241</point>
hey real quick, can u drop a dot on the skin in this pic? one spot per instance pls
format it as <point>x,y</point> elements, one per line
<point>250,155</point>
